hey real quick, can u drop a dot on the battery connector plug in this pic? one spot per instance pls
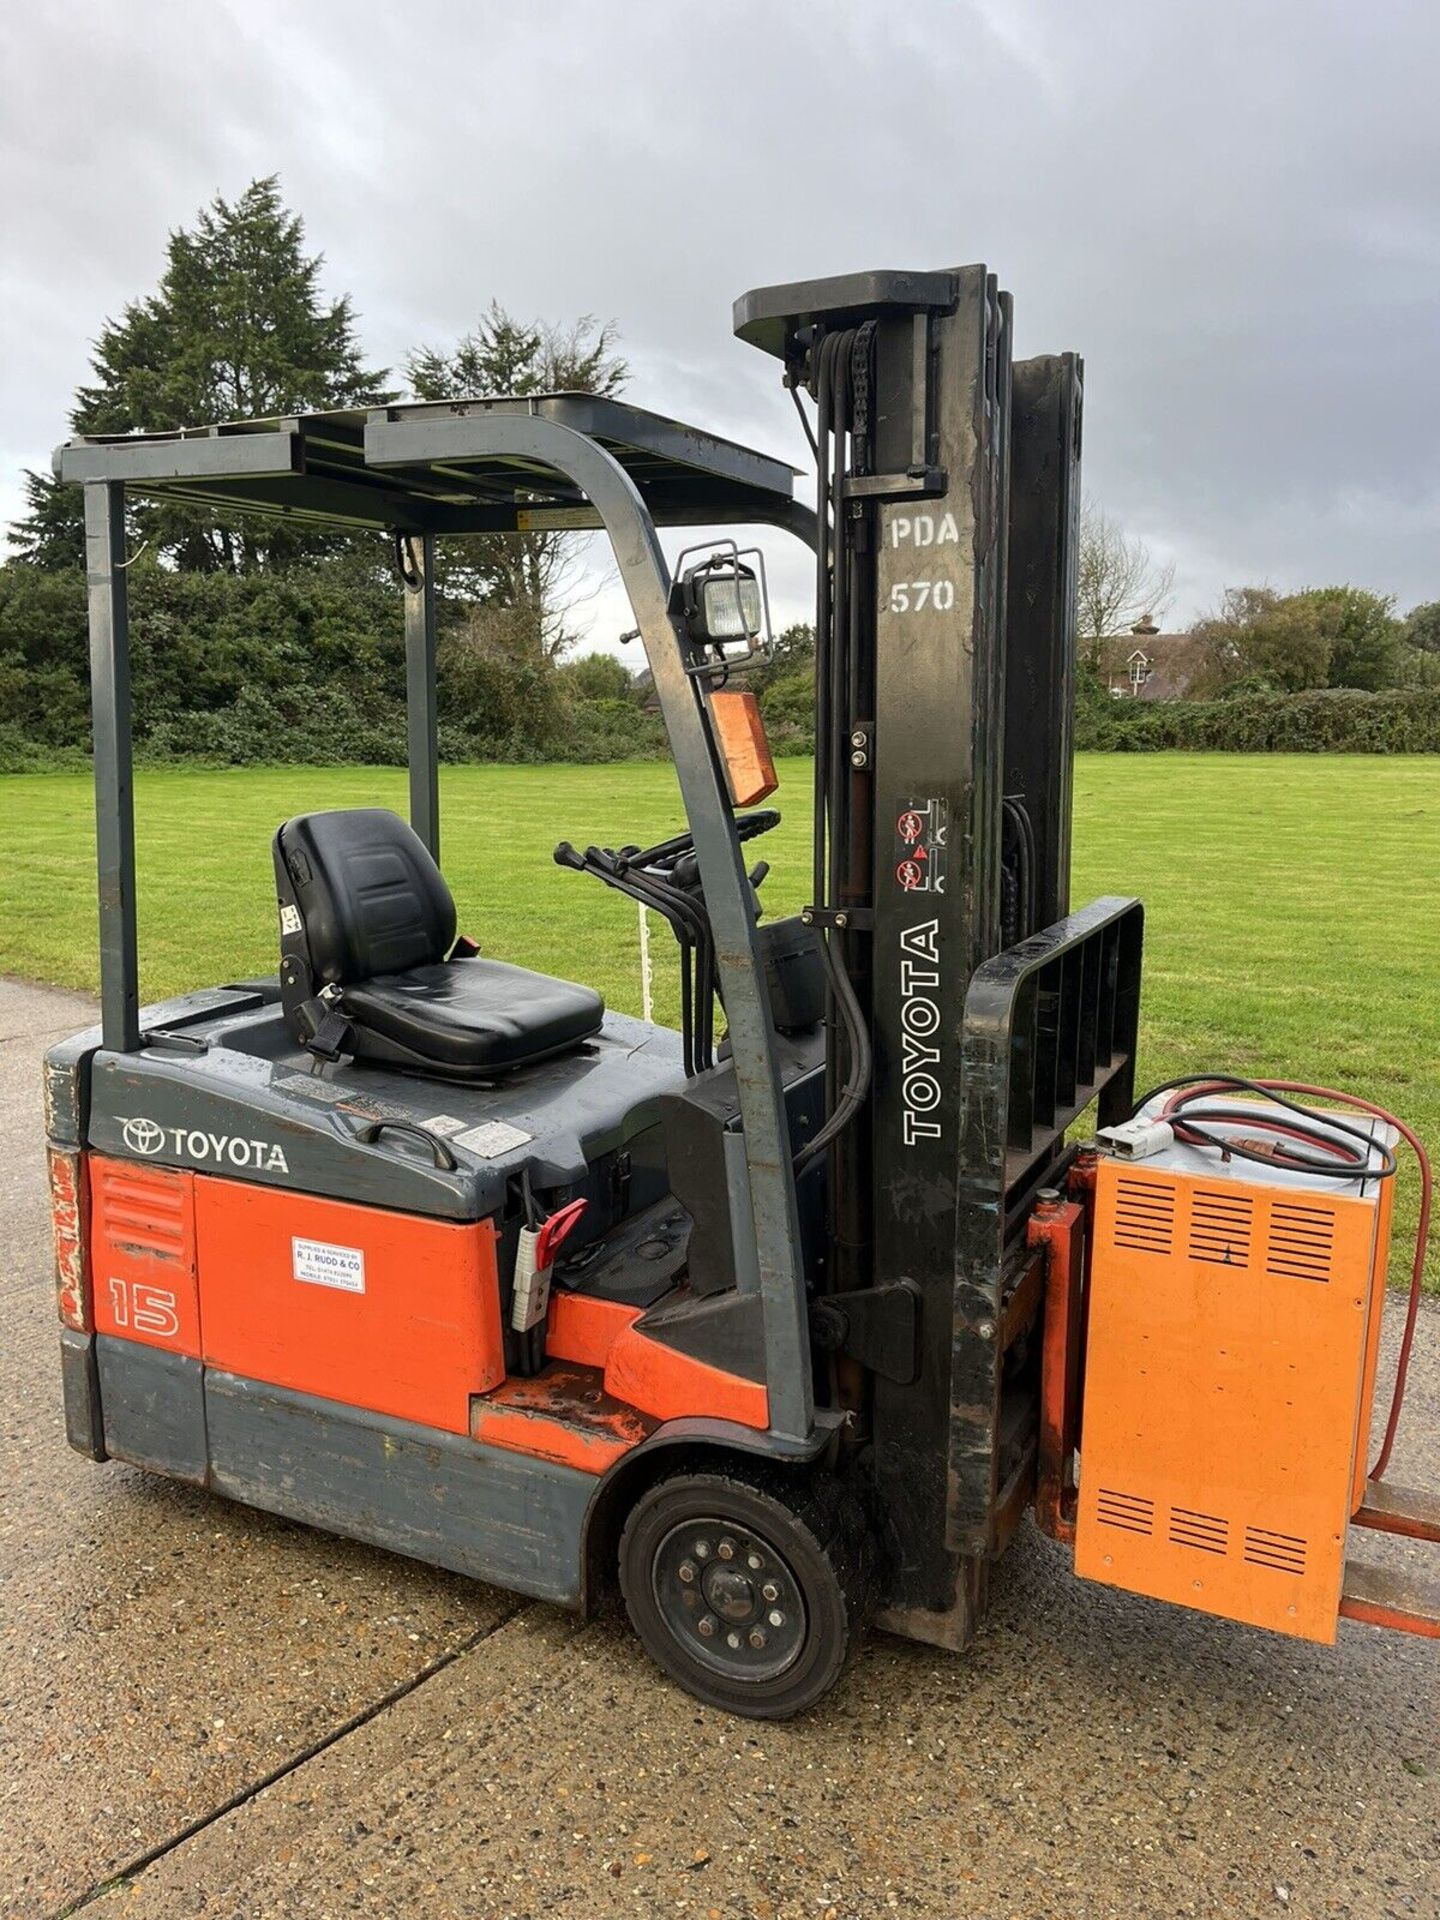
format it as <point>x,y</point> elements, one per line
<point>1136,1139</point>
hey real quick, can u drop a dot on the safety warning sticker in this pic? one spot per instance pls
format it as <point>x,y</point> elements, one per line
<point>921,855</point>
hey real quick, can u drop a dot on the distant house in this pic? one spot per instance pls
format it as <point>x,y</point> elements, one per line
<point>1146,664</point>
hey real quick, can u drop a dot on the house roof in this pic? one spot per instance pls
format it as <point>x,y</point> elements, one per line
<point>1174,660</point>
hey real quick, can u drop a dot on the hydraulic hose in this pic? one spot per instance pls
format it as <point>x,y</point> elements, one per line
<point>833,639</point>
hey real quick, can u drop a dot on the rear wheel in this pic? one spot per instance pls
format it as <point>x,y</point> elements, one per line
<point>749,1591</point>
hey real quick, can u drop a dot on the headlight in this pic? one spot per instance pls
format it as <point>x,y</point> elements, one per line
<point>723,602</point>
<point>731,607</point>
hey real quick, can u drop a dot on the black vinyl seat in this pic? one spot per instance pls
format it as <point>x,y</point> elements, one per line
<point>370,964</point>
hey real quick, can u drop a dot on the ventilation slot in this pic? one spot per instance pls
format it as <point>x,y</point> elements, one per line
<point>1282,1552</point>
<point>1206,1532</point>
<point>1144,1216</point>
<point>1301,1242</point>
<point>1220,1228</point>
<point>142,1209</point>
<point>1127,1510</point>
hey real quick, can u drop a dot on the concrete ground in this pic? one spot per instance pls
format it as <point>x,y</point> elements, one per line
<point>207,1711</point>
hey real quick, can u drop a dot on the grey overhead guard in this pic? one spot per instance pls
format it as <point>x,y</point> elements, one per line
<point>370,964</point>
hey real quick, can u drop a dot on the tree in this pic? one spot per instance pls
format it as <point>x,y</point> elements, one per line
<point>1119,582</point>
<point>530,572</point>
<point>1364,635</point>
<point>1418,663</point>
<point>1422,627</point>
<point>598,676</point>
<point>1259,638</point>
<point>1291,643</point>
<point>51,534</point>
<point>792,652</point>
<point>237,329</point>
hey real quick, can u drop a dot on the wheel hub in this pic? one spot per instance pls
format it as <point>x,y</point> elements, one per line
<point>730,1598</point>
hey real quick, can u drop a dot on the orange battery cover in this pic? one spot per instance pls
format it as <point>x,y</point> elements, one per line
<point>1229,1364</point>
<point>381,1310</point>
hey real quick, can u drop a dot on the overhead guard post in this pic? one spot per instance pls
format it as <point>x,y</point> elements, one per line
<point>614,495</point>
<point>114,792</point>
<point>421,723</point>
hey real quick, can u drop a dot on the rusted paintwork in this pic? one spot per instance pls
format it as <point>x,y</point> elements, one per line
<point>562,1414</point>
<point>1405,1510</point>
<point>1057,1228</point>
<point>68,1211</point>
<point>1381,1598</point>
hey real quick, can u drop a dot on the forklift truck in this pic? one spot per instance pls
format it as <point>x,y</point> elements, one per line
<point>785,1319</point>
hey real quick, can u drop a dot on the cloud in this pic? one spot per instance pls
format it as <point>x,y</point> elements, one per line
<point>1231,211</point>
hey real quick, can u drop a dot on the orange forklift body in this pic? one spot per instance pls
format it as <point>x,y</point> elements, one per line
<point>353,1304</point>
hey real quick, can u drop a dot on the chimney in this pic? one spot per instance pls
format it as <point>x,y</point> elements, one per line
<point>1145,625</point>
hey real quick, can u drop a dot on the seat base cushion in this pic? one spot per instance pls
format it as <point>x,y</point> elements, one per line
<point>469,1018</point>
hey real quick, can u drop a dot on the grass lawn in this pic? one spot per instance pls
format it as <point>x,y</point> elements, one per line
<point>1293,911</point>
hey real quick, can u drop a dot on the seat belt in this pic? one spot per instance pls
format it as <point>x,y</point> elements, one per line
<point>324,1029</point>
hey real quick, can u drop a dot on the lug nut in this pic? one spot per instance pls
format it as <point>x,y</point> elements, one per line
<point>726,1550</point>
<point>776,1618</point>
<point>754,1562</point>
<point>732,1640</point>
<point>757,1637</point>
<point>702,1549</point>
<point>687,1571</point>
<point>706,1627</point>
<point>769,1591</point>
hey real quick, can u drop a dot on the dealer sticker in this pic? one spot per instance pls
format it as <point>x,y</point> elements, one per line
<point>324,1265</point>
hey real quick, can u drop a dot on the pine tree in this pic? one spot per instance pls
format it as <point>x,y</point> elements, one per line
<point>237,329</point>
<point>526,574</point>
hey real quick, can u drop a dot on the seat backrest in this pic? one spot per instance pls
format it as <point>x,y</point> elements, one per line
<point>368,897</point>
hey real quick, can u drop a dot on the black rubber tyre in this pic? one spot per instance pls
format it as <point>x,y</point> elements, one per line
<point>749,1589</point>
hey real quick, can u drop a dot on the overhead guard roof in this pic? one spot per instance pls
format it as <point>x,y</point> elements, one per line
<point>311,467</point>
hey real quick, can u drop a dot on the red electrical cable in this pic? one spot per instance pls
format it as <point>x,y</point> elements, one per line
<point>1422,1230</point>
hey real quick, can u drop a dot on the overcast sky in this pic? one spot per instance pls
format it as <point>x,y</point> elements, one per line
<point>1233,212</point>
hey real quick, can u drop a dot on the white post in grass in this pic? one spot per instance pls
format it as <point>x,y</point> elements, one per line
<point>647,972</point>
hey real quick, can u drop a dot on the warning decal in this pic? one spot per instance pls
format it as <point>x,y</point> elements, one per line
<point>921,831</point>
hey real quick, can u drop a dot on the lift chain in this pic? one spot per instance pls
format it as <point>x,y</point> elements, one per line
<point>862,363</point>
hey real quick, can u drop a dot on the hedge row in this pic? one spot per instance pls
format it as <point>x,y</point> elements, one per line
<point>1337,720</point>
<point>306,666</point>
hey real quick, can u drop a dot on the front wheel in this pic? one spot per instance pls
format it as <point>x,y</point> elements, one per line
<point>748,1591</point>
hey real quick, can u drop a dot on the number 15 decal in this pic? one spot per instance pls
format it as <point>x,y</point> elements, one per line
<point>144,1309</point>
<point>913,596</point>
